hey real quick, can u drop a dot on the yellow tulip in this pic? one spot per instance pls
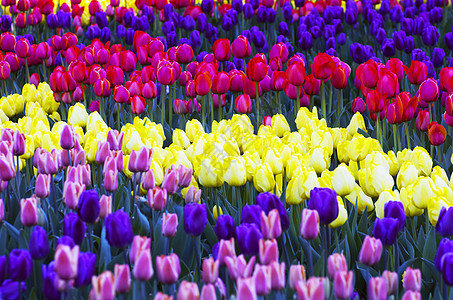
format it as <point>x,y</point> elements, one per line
<point>235,172</point>
<point>326,179</point>
<point>30,93</point>
<point>263,179</point>
<point>393,163</point>
<point>210,175</point>
<point>299,187</point>
<point>29,147</point>
<point>3,117</point>
<point>408,174</point>
<point>43,88</point>
<point>322,139</point>
<point>422,161</point>
<point>359,198</point>
<point>375,180</point>
<point>318,159</point>
<point>423,189</point>
<point>132,141</point>
<point>50,141</point>
<point>7,106</point>
<point>342,215</point>
<point>342,180</point>
<point>252,159</point>
<point>77,115</point>
<point>359,147</point>
<point>90,146</point>
<point>216,211</point>
<point>356,123</point>
<point>343,151</point>
<point>435,204</point>
<point>96,123</point>
<point>439,176</point>
<point>279,125</point>
<point>273,159</point>
<point>293,166</point>
<point>193,129</point>
<point>48,103</point>
<point>406,196</point>
<point>339,135</point>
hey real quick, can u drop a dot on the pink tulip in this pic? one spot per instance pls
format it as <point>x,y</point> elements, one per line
<point>238,266</point>
<point>66,260</point>
<point>312,289</point>
<point>309,225</point>
<point>169,224</point>
<point>208,292</point>
<point>115,139</point>
<point>296,273</point>
<point>103,286</point>
<point>185,176</point>
<point>71,194</point>
<point>139,161</point>
<point>391,281</point>
<point>193,195</point>
<point>143,268</point>
<point>105,206</point>
<point>42,185</point>
<point>268,251</point>
<point>157,198</point>
<point>336,262</point>
<point>170,181</point>
<point>122,279</point>
<point>67,137</point>
<point>29,211</point>
<point>148,180</point>
<point>111,180</point>
<point>226,249</point>
<point>343,284</point>
<point>278,272</point>
<point>412,279</point>
<point>271,225</point>
<point>377,289</point>
<point>411,295</point>
<point>139,243</point>
<point>371,251</point>
<point>188,291</point>
<point>210,270</point>
<point>168,268</point>
<point>103,150</point>
<point>246,289</point>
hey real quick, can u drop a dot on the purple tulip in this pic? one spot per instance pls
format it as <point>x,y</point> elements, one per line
<point>430,35</point>
<point>324,200</point>
<point>248,236</point>
<point>39,243</point>
<point>251,214</point>
<point>49,277</point>
<point>386,229</point>
<point>20,264</point>
<point>395,209</point>
<point>445,246</point>
<point>118,229</point>
<point>85,268</point>
<point>224,227</point>
<point>195,218</point>
<point>88,207</point>
<point>444,224</point>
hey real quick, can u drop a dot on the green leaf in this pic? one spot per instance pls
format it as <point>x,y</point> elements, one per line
<point>106,255</point>
<point>13,231</point>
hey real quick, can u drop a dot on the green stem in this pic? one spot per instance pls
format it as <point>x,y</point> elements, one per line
<point>297,102</point>
<point>219,107</point>
<point>395,143</point>
<point>258,120</point>
<point>150,110</point>
<point>340,105</point>
<point>406,128</point>
<point>330,97</point>
<point>162,100</point>
<point>211,104</point>
<point>170,111</point>
<point>378,129</point>
<point>203,112</point>
<point>277,95</point>
<point>27,70</point>
<point>118,115</point>
<point>323,100</point>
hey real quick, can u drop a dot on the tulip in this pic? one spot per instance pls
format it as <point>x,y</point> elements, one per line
<point>226,249</point>
<point>395,209</point>
<point>188,291</point>
<point>391,281</point>
<point>246,289</point>
<point>122,278</point>
<point>139,161</point>
<point>143,268</point>
<point>103,286</point>
<point>256,68</point>
<point>296,274</point>
<point>169,224</point>
<point>7,170</point>
<point>88,207</point>
<point>343,284</point>
<point>446,267</point>
<point>42,185</point>
<point>377,288</point>
<point>371,251</point>
<point>412,279</point>
<point>422,121</point>
<point>203,83</point>
<point>336,263</point>
<point>66,261</point>
<point>118,229</point>
<point>243,104</point>
<point>157,198</point>
<point>248,236</point>
<point>241,47</point>
<point>20,264</point>
<point>411,295</point>
<point>387,84</point>
<point>436,134</point>
<point>74,227</point>
<point>221,49</point>
<point>296,73</point>
<point>111,180</point>
<point>324,201</point>
<point>170,181</point>
<point>417,72</point>
<point>39,243</point>
<point>85,268</point>
<point>224,227</point>
<point>271,225</point>
<point>71,193</point>
<point>210,270</point>
<point>386,229</point>
<point>139,243</point>
<point>22,48</point>
<point>262,276</point>
<point>193,195</point>
<point>323,66</point>
<point>238,266</point>
<point>268,251</point>
<point>429,90</point>
<point>310,289</point>
<point>29,211</point>
<point>168,268</point>
<point>309,225</point>
<point>195,218</point>
<point>208,292</point>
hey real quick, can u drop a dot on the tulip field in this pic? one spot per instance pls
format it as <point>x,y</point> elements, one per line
<point>226,149</point>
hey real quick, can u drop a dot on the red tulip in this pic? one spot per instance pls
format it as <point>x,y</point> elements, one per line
<point>250,88</point>
<point>179,106</point>
<point>22,48</point>
<point>340,76</point>
<point>275,63</point>
<point>236,80</point>
<point>115,75</point>
<point>279,50</point>
<point>166,74</point>
<point>296,73</point>
<point>241,47</point>
<point>13,61</point>
<point>148,74</point>
<point>429,90</point>
<point>291,90</point>
<point>46,6</point>
<point>448,119</point>
<point>396,66</point>
<point>21,20</point>
<point>375,101</point>
<point>358,105</point>
<point>67,40</point>
<point>138,104</point>
<point>149,90</point>
<point>445,75</point>
<point>128,61</point>
<point>5,70</point>
<point>322,66</point>
<point>422,120</point>
<point>203,83</point>
<point>7,41</point>
<point>279,77</point>
<point>449,104</point>
<point>121,94</point>
<point>221,83</point>
<point>184,54</point>
<point>210,67</point>
<point>257,68</point>
<point>221,49</point>
<point>102,88</point>
<point>417,72</point>
<point>190,89</point>
<point>387,84</point>
<point>368,73</point>
<point>184,78</point>
<point>436,133</point>
<point>243,104</point>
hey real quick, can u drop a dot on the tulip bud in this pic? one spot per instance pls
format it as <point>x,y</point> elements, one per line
<point>335,263</point>
<point>422,120</point>
<point>412,279</point>
<point>278,272</point>
<point>411,295</point>
<point>66,261</point>
<point>436,133</point>
<point>243,104</point>
<point>268,251</point>
<point>105,204</point>
<point>184,175</point>
<point>296,274</point>
<point>208,292</point>
<point>226,249</point>
<point>271,225</point>
<point>262,276</point>
<point>7,170</point>
<point>210,270</point>
<point>19,143</point>
<point>67,138</point>
<point>148,180</point>
<point>170,182</point>
<point>371,251</point>
<point>71,194</point>
<point>169,224</point>
<point>157,198</point>
<point>139,161</point>
<point>246,289</point>
<point>111,180</point>
<point>309,225</point>
<point>313,288</point>
<point>377,288</point>
<point>122,279</point>
<point>168,268</point>
<point>29,211</point>
<point>139,243</point>
<point>343,284</point>
<point>188,290</point>
<point>391,281</point>
<point>193,195</point>
<point>42,185</point>
<point>103,286</point>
